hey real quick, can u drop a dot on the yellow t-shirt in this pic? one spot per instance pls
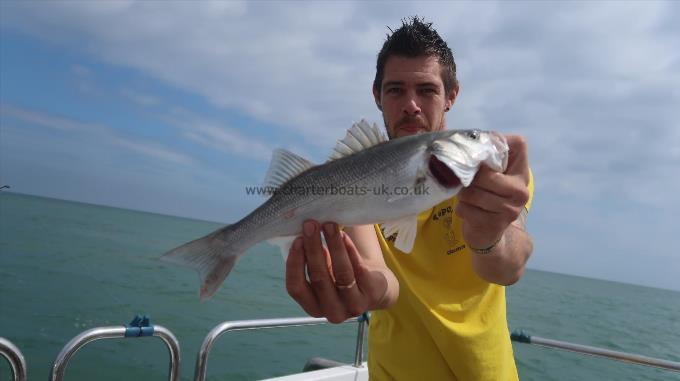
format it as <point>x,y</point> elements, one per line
<point>447,324</point>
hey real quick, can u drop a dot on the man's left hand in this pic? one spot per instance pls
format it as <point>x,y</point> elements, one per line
<point>494,200</point>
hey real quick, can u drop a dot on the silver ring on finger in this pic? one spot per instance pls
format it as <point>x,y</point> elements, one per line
<point>346,287</point>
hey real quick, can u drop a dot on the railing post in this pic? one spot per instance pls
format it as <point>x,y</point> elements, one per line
<point>15,359</point>
<point>359,350</point>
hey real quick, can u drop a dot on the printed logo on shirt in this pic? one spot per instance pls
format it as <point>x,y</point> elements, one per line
<point>438,214</point>
<point>445,217</point>
<point>455,250</point>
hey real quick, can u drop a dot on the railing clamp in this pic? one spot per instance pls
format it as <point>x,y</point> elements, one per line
<point>139,326</point>
<point>520,336</point>
<point>366,316</point>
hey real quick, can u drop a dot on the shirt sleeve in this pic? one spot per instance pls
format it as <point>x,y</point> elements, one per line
<point>531,190</point>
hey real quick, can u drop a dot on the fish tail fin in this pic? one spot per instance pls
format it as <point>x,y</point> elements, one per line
<point>211,256</point>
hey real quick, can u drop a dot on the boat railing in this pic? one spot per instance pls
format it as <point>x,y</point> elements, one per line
<point>139,327</point>
<point>240,325</point>
<point>523,337</point>
<point>15,358</point>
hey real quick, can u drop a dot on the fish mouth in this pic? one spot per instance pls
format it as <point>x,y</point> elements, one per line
<point>442,173</point>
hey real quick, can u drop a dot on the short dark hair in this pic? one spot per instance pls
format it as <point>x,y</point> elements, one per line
<point>417,38</point>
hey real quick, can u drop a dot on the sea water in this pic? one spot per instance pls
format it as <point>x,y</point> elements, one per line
<point>66,267</point>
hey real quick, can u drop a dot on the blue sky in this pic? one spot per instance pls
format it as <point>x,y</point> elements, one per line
<point>175,107</point>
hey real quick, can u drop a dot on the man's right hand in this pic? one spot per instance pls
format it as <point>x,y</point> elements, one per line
<point>342,280</point>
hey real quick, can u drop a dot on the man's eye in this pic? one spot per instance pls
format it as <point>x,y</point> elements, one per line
<point>393,90</point>
<point>428,91</point>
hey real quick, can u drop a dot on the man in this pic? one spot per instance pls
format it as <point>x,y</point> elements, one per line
<point>439,311</point>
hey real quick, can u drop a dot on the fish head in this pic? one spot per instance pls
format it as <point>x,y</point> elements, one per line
<point>456,155</point>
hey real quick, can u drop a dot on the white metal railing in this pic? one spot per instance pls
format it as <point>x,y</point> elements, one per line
<point>139,327</point>
<point>16,360</point>
<point>240,325</point>
<point>522,337</point>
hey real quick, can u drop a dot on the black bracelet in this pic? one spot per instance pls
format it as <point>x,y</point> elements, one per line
<point>486,250</point>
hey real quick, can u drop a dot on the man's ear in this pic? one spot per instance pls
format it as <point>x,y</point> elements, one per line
<point>376,96</point>
<point>451,98</point>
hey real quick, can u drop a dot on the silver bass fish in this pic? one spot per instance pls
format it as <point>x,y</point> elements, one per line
<point>367,180</point>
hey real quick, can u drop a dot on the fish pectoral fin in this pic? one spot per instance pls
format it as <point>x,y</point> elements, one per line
<point>284,244</point>
<point>406,229</point>
<point>284,166</point>
<point>359,137</point>
<point>396,198</point>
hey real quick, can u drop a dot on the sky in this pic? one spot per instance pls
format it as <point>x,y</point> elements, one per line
<point>175,107</point>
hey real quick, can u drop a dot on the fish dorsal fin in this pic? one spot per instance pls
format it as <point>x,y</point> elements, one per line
<point>284,166</point>
<point>406,229</point>
<point>359,137</point>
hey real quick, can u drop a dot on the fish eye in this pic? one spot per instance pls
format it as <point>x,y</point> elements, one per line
<point>473,134</point>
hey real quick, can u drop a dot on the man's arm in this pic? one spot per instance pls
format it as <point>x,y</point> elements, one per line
<point>505,263</point>
<point>494,215</point>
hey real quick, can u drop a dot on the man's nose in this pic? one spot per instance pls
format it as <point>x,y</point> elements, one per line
<point>411,106</point>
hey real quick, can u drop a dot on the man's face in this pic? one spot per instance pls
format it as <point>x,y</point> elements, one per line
<point>412,96</point>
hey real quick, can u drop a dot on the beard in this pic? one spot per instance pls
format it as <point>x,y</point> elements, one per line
<point>414,120</point>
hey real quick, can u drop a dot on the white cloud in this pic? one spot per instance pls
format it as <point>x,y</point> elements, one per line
<point>103,134</point>
<point>217,135</point>
<point>153,150</point>
<point>45,120</point>
<point>278,63</point>
<point>139,98</point>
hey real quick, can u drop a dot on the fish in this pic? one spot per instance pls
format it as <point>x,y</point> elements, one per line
<point>368,179</point>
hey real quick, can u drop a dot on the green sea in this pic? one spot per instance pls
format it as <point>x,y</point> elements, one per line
<point>66,267</point>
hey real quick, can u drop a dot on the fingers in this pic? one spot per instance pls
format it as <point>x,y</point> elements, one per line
<point>342,268</point>
<point>494,199</point>
<point>296,280</point>
<point>510,188</point>
<point>492,202</point>
<point>372,284</point>
<point>319,290</point>
<point>319,274</point>
<point>346,282</point>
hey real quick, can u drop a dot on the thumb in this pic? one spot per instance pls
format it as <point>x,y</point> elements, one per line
<point>518,157</point>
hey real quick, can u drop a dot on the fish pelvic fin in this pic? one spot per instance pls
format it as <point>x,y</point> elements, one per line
<point>406,229</point>
<point>210,256</point>
<point>284,166</point>
<point>359,137</point>
<point>284,244</point>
